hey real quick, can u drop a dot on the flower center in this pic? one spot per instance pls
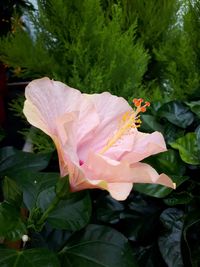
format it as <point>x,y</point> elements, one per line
<point>130,120</point>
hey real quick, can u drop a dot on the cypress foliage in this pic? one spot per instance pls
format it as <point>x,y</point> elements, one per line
<point>130,48</point>
<point>76,43</point>
<point>178,56</point>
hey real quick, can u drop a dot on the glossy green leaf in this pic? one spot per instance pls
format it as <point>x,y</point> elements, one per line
<point>11,191</point>
<point>149,256</point>
<point>62,187</point>
<point>71,214</point>
<point>195,107</point>
<point>176,113</point>
<point>188,148</point>
<point>98,246</point>
<point>30,257</point>
<point>170,241</point>
<point>33,183</point>
<point>152,190</point>
<point>172,132</point>
<point>159,191</point>
<point>53,239</point>
<point>14,161</point>
<point>191,236</point>
<point>181,198</point>
<point>197,131</point>
<point>167,162</point>
<point>11,225</point>
<point>108,209</point>
<point>154,107</point>
<point>150,124</point>
<point>141,210</point>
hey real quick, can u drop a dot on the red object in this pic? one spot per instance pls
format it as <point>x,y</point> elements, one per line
<point>2,93</point>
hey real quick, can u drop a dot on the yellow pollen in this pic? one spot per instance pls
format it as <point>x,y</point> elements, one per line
<point>130,119</point>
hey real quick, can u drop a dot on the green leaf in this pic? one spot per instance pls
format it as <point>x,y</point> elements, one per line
<point>30,257</point>
<point>98,246</point>
<point>153,190</point>
<point>172,132</point>
<point>170,241</point>
<point>150,124</point>
<point>53,239</point>
<point>33,183</point>
<point>167,162</point>
<point>108,209</point>
<point>149,256</point>
<point>14,161</point>
<point>176,113</point>
<point>197,131</point>
<point>11,191</point>
<point>181,198</point>
<point>62,187</point>
<point>159,191</point>
<point>188,148</point>
<point>141,210</point>
<point>195,107</point>
<point>71,214</point>
<point>11,225</point>
<point>190,233</point>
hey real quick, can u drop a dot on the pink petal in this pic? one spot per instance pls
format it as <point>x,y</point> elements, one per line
<point>46,100</point>
<point>71,134</point>
<point>123,145</point>
<point>88,120</point>
<point>78,181</point>
<point>119,191</point>
<point>50,107</point>
<point>102,168</point>
<point>66,129</point>
<point>146,174</point>
<point>144,145</point>
<point>110,109</point>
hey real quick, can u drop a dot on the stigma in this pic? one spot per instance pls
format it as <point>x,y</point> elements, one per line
<point>130,120</point>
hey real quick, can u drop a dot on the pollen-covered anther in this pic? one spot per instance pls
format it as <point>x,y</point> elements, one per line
<point>138,121</point>
<point>143,108</point>
<point>147,104</point>
<point>137,102</point>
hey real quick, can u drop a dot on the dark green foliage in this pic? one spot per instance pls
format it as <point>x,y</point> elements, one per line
<point>35,257</point>
<point>98,246</point>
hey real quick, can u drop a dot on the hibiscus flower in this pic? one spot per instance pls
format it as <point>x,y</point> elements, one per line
<point>96,136</point>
